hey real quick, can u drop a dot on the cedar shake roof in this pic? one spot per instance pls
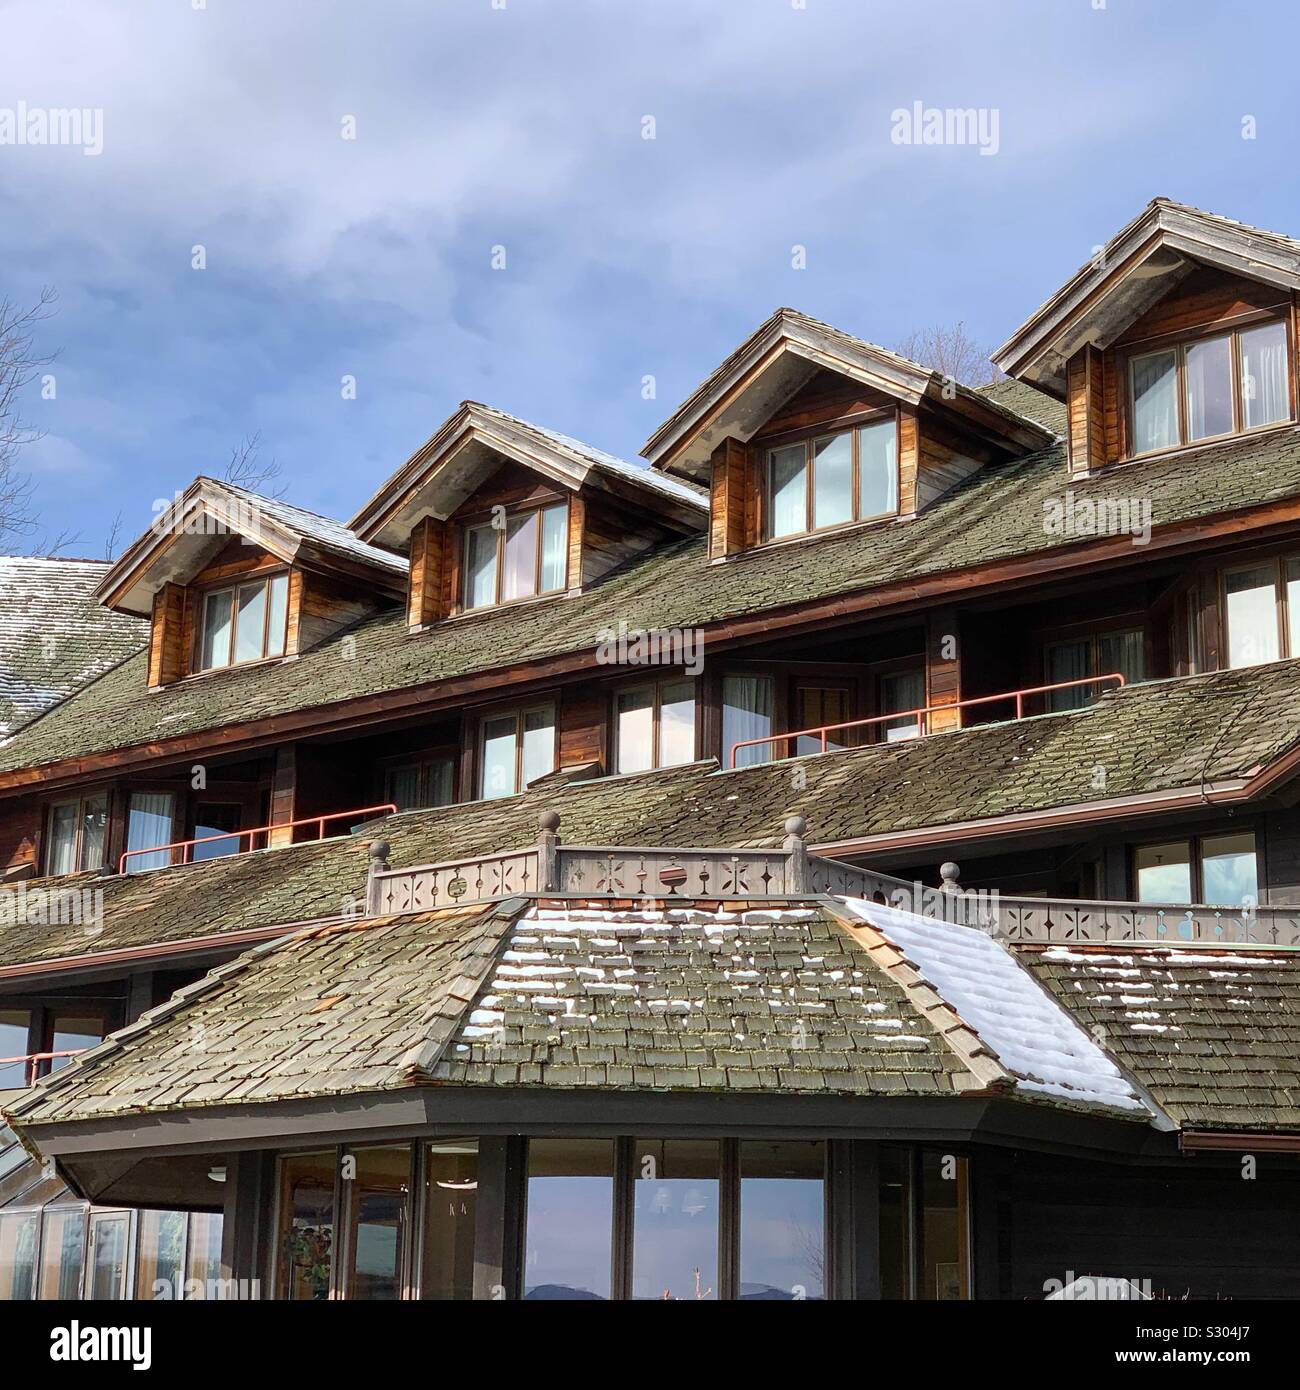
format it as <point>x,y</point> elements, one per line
<point>783,997</point>
<point>1214,1036</point>
<point>995,514</point>
<point>54,637</point>
<point>1195,734</point>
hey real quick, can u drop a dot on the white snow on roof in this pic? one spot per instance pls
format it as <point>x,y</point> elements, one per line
<point>321,528</point>
<point>1033,1036</point>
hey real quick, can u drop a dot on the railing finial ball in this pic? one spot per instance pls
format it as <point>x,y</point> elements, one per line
<point>380,850</point>
<point>949,872</point>
<point>549,820</point>
<point>795,825</point>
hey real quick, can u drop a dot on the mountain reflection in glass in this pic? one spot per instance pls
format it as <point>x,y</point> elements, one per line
<point>567,1254</point>
<point>675,1237</point>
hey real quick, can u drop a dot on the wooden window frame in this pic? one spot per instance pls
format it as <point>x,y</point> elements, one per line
<point>78,799</point>
<point>655,685</point>
<point>1178,346</point>
<point>469,526</point>
<point>1196,861</point>
<point>421,759</point>
<point>1281,606</point>
<point>206,595</point>
<point>520,712</point>
<point>832,430</point>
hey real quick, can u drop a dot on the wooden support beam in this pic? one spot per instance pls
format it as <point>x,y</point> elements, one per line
<point>943,668</point>
<point>498,1237</point>
<point>284,783</point>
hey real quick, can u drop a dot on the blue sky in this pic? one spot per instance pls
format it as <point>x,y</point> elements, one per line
<point>521,127</point>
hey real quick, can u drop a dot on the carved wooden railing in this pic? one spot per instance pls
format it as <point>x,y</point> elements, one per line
<point>667,873</point>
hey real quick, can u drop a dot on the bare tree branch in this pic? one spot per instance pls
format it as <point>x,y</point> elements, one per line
<point>949,350</point>
<point>113,537</point>
<point>19,364</point>
<point>247,468</point>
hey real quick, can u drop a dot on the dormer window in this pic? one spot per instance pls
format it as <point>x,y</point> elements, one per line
<point>833,479</point>
<point>1209,387</point>
<point>522,558</point>
<point>244,623</point>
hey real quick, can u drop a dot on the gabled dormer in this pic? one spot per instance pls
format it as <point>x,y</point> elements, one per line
<point>230,578</point>
<point>495,511</point>
<point>805,429</point>
<point>1179,332</point>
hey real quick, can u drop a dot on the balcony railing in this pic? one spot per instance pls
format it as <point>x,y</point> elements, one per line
<point>921,716</point>
<point>186,846</point>
<point>32,1062</point>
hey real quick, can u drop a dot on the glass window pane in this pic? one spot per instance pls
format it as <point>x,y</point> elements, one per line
<point>895,1220</point>
<point>18,1256</point>
<point>789,493</point>
<point>1265,397</point>
<point>539,745</point>
<point>1124,652</point>
<point>944,1273</point>
<point>878,468</point>
<point>570,1219</point>
<point>634,751</point>
<point>498,777</point>
<point>1164,873</point>
<point>402,787</point>
<point>1068,661</point>
<point>675,1220</point>
<point>480,566</point>
<point>816,706</point>
<point>451,1190</point>
<point>555,548</point>
<point>676,723</point>
<point>61,857</point>
<point>1228,870</point>
<point>63,1239</point>
<point>1209,388</point>
<point>1293,607</point>
<point>441,781</point>
<point>902,690</point>
<point>14,1032</point>
<point>94,823</point>
<point>278,621</point>
<point>306,1253</point>
<point>379,1196</point>
<point>160,1255</point>
<point>782,1220</point>
<point>250,624</point>
<point>833,480</point>
<point>216,630</point>
<point>1252,617</point>
<point>109,1250</point>
<point>1155,401</point>
<point>74,1033</point>
<point>216,818</point>
<point>149,823</point>
<point>203,1263</point>
<point>746,713</point>
<point>519,568</point>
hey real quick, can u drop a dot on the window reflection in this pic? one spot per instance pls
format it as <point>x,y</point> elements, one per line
<point>380,1208</point>
<point>943,1254</point>
<point>675,1239</point>
<point>570,1218</point>
<point>306,1225</point>
<point>782,1220</point>
<point>450,1198</point>
<point>63,1245</point>
<point>18,1257</point>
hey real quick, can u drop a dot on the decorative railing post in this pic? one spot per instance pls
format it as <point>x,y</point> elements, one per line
<point>379,852</point>
<point>798,871</point>
<point>949,873</point>
<point>548,852</point>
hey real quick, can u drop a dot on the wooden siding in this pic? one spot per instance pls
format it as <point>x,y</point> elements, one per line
<point>20,826</point>
<point>732,502</point>
<point>909,451</point>
<point>1086,405</point>
<point>168,649</point>
<point>429,592</point>
<point>582,715</point>
<point>323,606</point>
<point>943,668</point>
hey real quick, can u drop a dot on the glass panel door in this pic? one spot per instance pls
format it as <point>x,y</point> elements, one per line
<point>570,1219</point>
<point>110,1254</point>
<point>450,1207</point>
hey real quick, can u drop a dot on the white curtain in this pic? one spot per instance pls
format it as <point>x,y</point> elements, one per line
<point>746,713</point>
<point>148,824</point>
<point>1264,376</point>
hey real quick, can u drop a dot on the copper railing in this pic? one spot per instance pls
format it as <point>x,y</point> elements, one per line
<point>920,715</point>
<point>185,846</point>
<point>34,1060</point>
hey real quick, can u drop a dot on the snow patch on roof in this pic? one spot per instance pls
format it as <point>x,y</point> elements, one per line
<point>1033,1037</point>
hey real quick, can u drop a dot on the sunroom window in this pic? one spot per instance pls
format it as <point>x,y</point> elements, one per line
<point>522,558</point>
<point>655,725</point>
<point>75,830</point>
<point>515,749</point>
<point>833,479</point>
<point>244,623</point>
<point>1210,387</point>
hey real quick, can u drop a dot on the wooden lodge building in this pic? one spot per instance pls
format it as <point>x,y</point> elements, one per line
<point>544,885</point>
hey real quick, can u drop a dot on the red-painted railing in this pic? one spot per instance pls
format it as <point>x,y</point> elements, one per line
<point>921,715</point>
<point>185,846</point>
<point>34,1060</point>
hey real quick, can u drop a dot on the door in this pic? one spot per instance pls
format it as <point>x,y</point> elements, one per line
<point>110,1255</point>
